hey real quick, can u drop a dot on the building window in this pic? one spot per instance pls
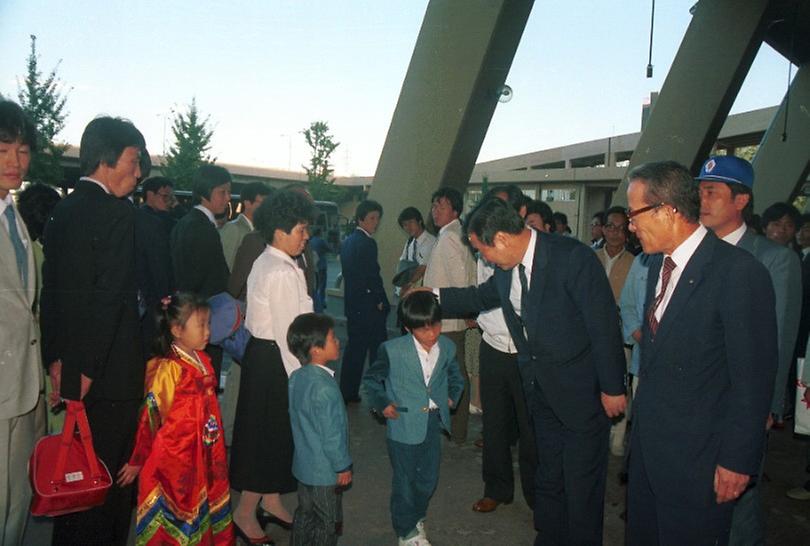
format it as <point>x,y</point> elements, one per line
<point>566,194</point>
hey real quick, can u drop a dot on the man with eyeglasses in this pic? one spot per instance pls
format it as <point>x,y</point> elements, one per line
<point>726,201</point>
<point>158,196</point>
<point>709,356</point>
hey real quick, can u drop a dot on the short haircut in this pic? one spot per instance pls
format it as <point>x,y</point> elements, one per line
<point>284,210</point>
<point>410,213</point>
<point>777,211</point>
<point>452,195</point>
<point>670,183</point>
<point>514,195</point>
<point>601,216</point>
<point>365,207</point>
<point>541,208</point>
<point>205,179</point>
<point>35,203</point>
<point>250,191</point>
<point>104,140</point>
<point>560,217</point>
<point>155,183</point>
<point>419,309</point>
<point>740,189</point>
<point>614,210</point>
<point>16,126</point>
<point>306,332</point>
<point>493,216</point>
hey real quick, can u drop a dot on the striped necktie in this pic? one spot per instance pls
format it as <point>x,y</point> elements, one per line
<point>666,274</point>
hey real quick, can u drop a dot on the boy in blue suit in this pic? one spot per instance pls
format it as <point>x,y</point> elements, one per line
<point>414,382</point>
<point>321,462</point>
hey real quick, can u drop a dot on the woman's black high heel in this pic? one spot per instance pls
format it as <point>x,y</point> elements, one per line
<point>266,517</point>
<point>264,540</point>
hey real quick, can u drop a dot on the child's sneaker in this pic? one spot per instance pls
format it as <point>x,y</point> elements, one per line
<point>420,529</point>
<point>416,540</point>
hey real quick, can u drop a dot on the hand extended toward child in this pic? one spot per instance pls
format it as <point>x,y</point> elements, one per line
<point>344,478</point>
<point>127,474</point>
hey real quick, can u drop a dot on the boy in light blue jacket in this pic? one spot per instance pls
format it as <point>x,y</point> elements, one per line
<point>414,382</point>
<point>321,461</point>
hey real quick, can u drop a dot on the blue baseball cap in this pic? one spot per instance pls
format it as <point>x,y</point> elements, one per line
<point>727,168</point>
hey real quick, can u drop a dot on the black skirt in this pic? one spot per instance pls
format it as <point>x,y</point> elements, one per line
<point>262,446</point>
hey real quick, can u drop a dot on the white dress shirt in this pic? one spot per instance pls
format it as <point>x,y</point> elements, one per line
<point>97,183</point>
<point>428,360</point>
<point>492,322</point>
<point>418,250</point>
<point>276,294</point>
<point>528,263</point>
<point>208,214</point>
<point>734,237</point>
<point>681,257</point>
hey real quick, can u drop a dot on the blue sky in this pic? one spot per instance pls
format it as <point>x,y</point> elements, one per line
<point>263,70</point>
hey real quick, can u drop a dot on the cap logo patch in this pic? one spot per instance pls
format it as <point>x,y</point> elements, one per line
<point>710,164</point>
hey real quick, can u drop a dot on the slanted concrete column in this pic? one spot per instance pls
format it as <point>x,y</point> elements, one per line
<point>712,62</point>
<point>461,58</point>
<point>780,167</point>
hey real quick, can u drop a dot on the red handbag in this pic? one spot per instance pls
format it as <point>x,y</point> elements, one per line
<point>66,475</point>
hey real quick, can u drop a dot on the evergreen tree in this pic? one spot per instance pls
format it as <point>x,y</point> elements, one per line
<point>192,140</point>
<point>319,171</point>
<point>44,103</point>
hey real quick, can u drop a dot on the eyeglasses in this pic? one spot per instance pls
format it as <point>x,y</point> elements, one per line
<point>633,213</point>
<point>166,196</point>
<point>611,227</point>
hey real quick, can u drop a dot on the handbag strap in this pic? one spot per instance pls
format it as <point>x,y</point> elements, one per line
<point>76,416</point>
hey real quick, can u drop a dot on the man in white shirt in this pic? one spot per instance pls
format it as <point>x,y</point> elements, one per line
<point>451,265</point>
<point>419,245</point>
<point>709,356</point>
<point>726,200</point>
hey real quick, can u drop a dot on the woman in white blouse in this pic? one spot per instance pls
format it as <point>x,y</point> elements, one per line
<point>262,447</point>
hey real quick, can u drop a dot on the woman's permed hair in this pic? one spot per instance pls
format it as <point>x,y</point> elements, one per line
<point>283,210</point>
<point>174,310</point>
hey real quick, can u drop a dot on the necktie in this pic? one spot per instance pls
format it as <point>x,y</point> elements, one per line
<point>524,288</point>
<point>666,274</point>
<point>411,255</point>
<point>19,247</point>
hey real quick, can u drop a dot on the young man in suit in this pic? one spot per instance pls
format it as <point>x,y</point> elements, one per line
<point>234,231</point>
<point>366,304</point>
<point>21,378</point>
<point>562,317</point>
<point>89,314</point>
<point>198,260</point>
<point>726,200</point>
<point>709,355</point>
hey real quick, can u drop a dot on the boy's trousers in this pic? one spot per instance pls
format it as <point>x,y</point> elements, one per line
<point>415,475</point>
<point>318,519</point>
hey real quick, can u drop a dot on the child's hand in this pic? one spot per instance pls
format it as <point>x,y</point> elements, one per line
<point>450,403</point>
<point>127,474</point>
<point>344,478</point>
<point>390,411</point>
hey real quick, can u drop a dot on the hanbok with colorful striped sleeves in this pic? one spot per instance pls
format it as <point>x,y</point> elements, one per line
<point>183,490</point>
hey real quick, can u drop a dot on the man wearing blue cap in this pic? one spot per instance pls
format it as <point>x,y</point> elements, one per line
<point>726,202</point>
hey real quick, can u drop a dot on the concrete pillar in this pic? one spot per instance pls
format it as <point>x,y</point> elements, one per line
<point>461,58</point>
<point>781,167</point>
<point>712,62</point>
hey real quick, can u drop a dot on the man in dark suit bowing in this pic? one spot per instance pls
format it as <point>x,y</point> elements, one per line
<point>709,355</point>
<point>560,312</point>
<point>198,260</point>
<point>89,315</point>
<point>366,305</point>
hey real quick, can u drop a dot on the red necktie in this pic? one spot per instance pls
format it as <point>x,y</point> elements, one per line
<point>666,273</point>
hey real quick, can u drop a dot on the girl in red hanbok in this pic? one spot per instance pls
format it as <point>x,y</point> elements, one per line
<point>183,490</point>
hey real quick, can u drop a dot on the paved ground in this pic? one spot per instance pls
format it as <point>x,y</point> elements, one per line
<point>451,522</point>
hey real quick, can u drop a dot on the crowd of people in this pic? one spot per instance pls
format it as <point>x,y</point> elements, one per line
<point>673,336</point>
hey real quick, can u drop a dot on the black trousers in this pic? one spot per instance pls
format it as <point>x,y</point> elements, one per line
<point>652,521</point>
<point>365,333</point>
<point>506,421</point>
<point>113,424</point>
<point>571,475</point>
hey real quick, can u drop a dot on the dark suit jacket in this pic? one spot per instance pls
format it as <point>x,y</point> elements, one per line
<point>574,346</point>
<point>252,246</point>
<point>706,379</point>
<point>362,285</point>
<point>89,311</point>
<point>197,257</point>
<point>153,262</point>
